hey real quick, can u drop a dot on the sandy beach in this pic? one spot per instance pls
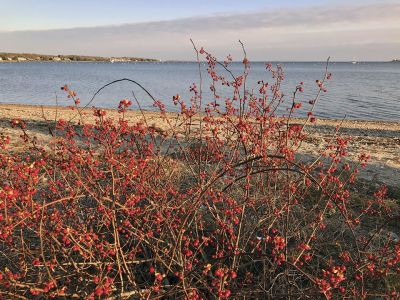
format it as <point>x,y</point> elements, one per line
<point>381,140</point>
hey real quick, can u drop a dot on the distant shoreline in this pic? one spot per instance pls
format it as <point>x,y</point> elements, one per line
<point>32,57</point>
<point>7,57</point>
<point>77,61</point>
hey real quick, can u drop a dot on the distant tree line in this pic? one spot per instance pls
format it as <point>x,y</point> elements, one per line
<point>43,57</point>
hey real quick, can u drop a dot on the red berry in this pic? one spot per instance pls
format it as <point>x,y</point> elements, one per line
<point>227,293</point>
<point>98,291</point>
<point>219,273</point>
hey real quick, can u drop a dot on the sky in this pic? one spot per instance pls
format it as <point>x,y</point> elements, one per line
<point>294,30</point>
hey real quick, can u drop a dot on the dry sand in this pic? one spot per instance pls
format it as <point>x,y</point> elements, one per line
<point>380,139</point>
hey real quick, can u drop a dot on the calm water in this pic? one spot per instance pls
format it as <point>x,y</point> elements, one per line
<point>367,91</point>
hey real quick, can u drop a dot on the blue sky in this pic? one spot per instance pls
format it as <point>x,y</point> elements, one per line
<point>271,30</point>
<point>56,14</point>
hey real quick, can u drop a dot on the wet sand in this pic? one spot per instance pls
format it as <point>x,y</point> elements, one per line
<point>379,139</point>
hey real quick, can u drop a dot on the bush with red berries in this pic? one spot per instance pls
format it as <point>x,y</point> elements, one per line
<point>218,204</point>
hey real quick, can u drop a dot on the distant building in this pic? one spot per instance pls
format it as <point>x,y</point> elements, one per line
<point>119,59</point>
<point>9,58</point>
<point>1,58</point>
<point>21,59</point>
<point>56,58</point>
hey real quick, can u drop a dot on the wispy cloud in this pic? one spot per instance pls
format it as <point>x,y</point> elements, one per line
<point>370,32</point>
